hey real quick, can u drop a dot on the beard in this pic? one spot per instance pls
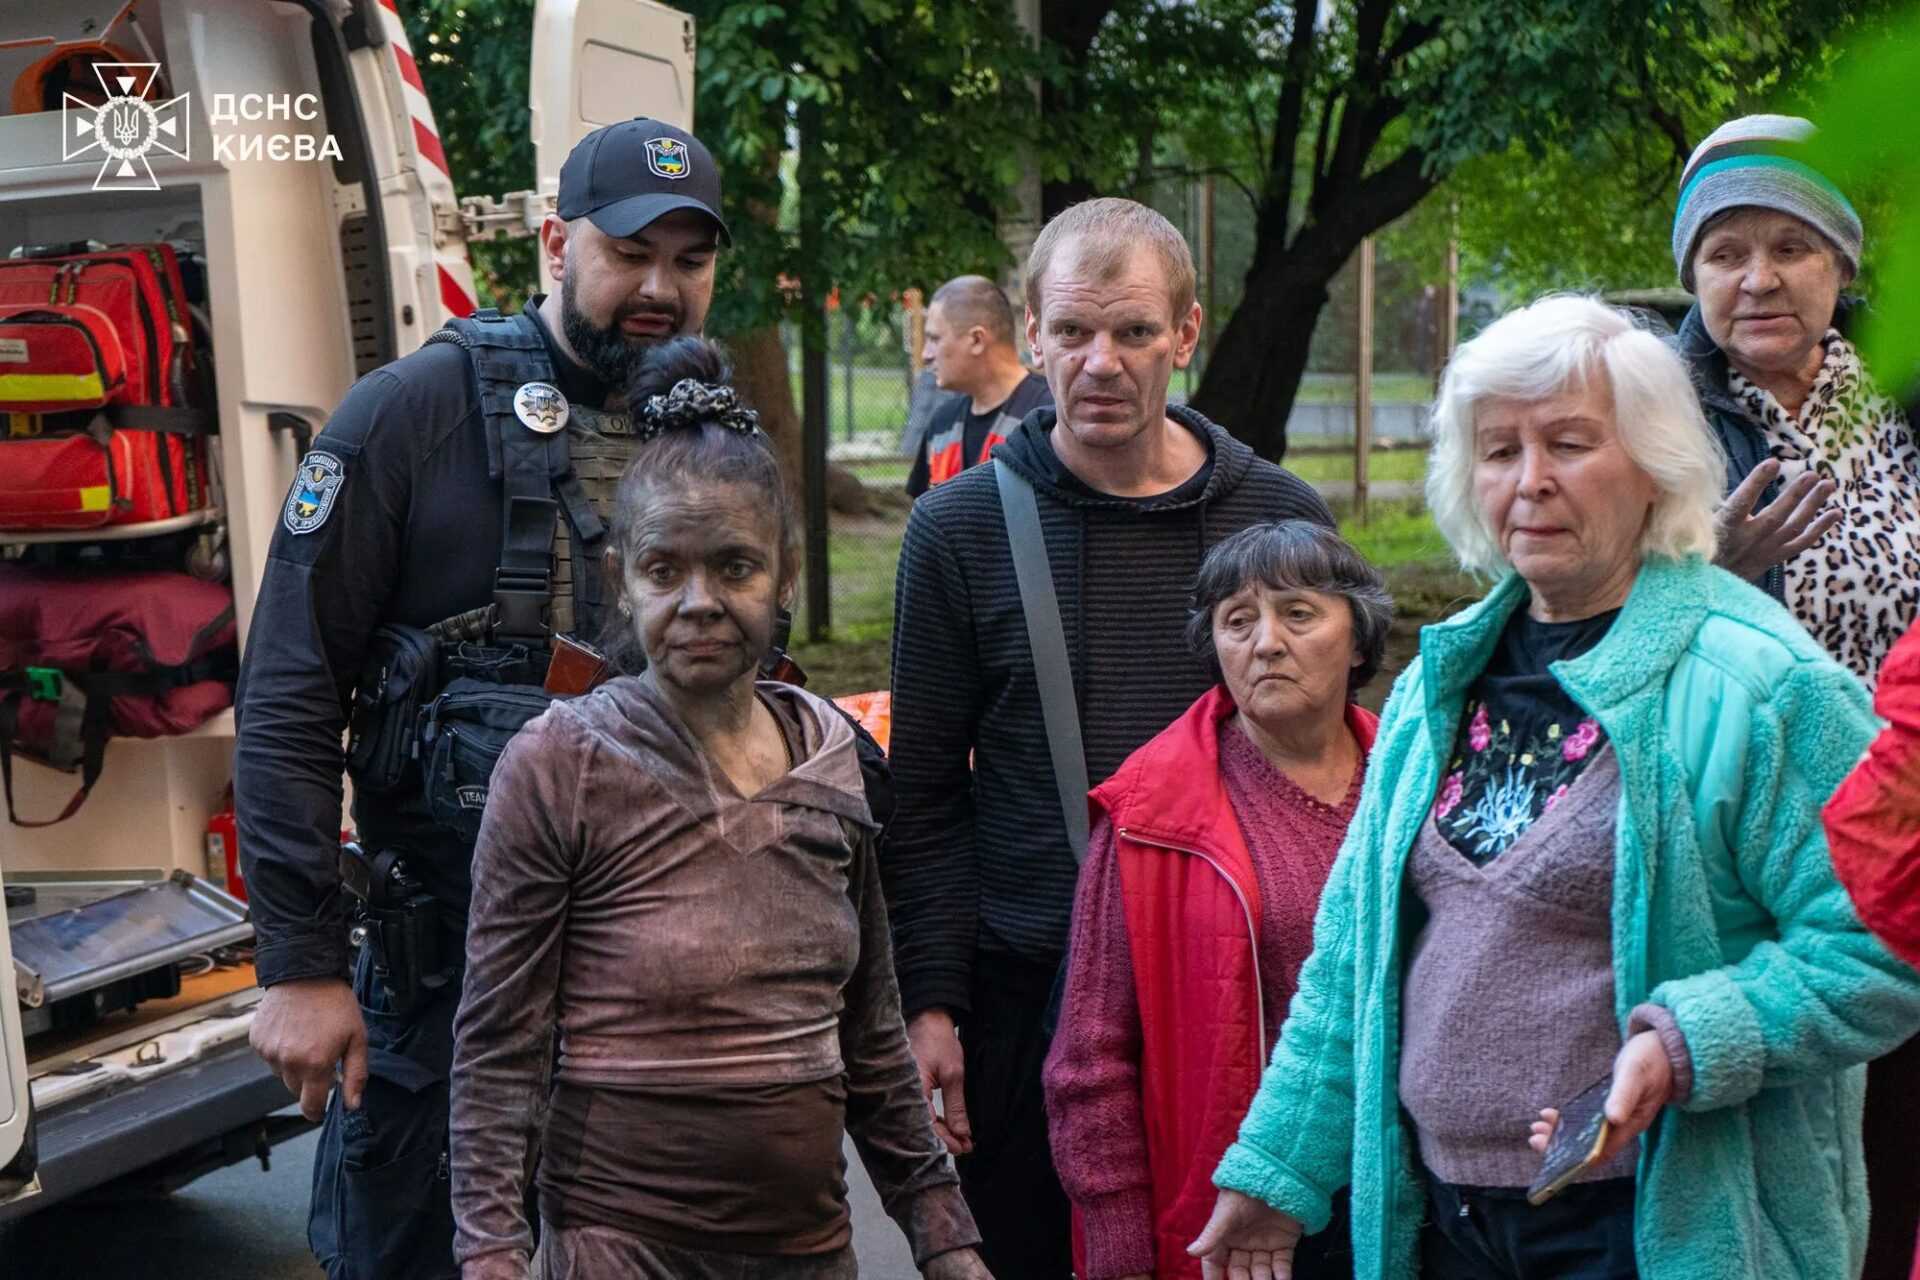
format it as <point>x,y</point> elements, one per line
<point>607,352</point>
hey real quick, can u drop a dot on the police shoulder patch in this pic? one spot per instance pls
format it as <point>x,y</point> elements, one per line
<point>315,489</point>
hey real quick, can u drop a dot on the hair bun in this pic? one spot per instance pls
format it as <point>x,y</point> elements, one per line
<point>691,403</point>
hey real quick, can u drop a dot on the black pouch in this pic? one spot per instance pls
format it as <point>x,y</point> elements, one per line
<point>462,735</point>
<point>401,673</point>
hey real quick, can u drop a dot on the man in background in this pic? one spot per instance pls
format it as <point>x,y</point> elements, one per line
<point>979,865</point>
<point>970,351</point>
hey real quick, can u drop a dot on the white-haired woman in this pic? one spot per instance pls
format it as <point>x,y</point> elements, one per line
<point>1589,846</point>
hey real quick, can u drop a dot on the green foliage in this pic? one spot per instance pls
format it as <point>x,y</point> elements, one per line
<point>922,108</point>
<point>474,58</point>
<point>1866,143</point>
<point>1595,211</point>
<point>1557,127</point>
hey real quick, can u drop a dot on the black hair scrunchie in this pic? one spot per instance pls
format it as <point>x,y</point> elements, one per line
<point>691,402</point>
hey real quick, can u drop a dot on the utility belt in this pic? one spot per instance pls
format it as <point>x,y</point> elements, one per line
<point>432,715</point>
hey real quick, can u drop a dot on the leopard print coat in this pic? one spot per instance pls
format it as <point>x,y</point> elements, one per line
<point>1857,592</point>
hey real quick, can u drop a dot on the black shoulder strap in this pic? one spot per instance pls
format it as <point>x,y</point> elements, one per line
<point>508,352</point>
<point>1046,636</point>
<point>537,474</point>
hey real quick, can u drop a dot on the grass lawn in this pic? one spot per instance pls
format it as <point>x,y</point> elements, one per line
<point>1388,388</point>
<point>1335,466</point>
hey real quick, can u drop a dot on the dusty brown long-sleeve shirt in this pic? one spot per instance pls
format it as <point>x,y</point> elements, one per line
<point>679,934</point>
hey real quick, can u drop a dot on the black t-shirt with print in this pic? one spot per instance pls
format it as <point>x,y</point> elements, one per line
<point>1522,739</point>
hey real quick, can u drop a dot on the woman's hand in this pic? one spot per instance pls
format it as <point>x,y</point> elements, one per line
<point>1642,1084</point>
<point>1246,1239</point>
<point>957,1264</point>
<point>1751,542</point>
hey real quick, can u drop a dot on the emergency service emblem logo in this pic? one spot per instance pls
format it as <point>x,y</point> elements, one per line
<point>541,407</point>
<point>668,158</point>
<point>124,127</point>
<point>315,489</point>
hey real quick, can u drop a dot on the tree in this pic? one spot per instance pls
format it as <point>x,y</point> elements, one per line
<point>919,118</point>
<point>1338,119</point>
<point>923,118</point>
<point>474,60</point>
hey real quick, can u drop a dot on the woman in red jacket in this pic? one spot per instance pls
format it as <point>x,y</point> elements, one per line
<point>1873,820</point>
<point>1195,910</point>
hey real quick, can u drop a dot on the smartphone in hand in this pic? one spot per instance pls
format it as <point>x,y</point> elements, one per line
<point>1576,1143</point>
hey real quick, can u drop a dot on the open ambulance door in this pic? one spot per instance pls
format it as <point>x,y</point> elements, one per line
<point>598,62</point>
<point>18,1150</point>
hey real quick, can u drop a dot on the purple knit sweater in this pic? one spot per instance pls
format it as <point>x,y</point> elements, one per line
<point>1093,1071</point>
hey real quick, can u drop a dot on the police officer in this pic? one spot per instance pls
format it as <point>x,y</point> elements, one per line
<point>456,493</point>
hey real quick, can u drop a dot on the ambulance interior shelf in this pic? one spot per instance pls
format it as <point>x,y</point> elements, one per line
<point>76,938</point>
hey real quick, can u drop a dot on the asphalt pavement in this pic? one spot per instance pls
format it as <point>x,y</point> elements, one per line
<point>242,1224</point>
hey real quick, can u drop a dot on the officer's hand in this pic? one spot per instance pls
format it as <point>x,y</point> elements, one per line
<point>305,1028</point>
<point>936,1051</point>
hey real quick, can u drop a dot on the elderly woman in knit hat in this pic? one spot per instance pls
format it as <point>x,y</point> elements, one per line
<point>1766,243</point>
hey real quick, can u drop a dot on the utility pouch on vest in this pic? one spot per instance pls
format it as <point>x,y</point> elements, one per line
<point>402,923</point>
<point>400,676</point>
<point>462,735</point>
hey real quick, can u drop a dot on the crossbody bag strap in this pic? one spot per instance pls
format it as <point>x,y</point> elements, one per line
<point>1059,710</point>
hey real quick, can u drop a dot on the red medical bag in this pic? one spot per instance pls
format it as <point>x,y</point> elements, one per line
<point>99,382</point>
<point>87,654</point>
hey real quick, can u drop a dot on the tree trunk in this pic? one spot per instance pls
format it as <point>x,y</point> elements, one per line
<point>1254,372</point>
<point>1070,27</point>
<point>760,373</point>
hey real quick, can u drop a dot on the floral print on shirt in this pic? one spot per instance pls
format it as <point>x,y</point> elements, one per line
<point>1498,784</point>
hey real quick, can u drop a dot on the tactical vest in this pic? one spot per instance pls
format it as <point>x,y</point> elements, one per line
<point>435,708</point>
<point>559,486</point>
<point>946,449</point>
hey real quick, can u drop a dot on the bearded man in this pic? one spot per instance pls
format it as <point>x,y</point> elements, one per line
<point>453,506</point>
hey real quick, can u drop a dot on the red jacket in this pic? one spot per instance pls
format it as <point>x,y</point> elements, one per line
<point>1192,925</point>
<point>1873,820</point>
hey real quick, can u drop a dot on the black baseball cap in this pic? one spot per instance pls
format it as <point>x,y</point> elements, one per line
<point>625,176</point>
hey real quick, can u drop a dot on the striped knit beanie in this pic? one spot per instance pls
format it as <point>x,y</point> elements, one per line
<point>1756,161</point>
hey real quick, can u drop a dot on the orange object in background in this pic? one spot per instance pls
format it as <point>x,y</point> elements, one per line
<point>874,711</point>
<point>223,847</point>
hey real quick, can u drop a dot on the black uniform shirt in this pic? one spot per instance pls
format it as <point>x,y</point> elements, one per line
<point>410,534</point>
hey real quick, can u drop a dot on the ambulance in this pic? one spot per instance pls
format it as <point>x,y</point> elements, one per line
<point>277,164</point>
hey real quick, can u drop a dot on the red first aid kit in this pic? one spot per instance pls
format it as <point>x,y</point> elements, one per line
<point>99,382</point>
<point>86,655</point>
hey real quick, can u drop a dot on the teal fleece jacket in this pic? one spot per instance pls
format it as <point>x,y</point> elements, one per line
<point>1732,727</point>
